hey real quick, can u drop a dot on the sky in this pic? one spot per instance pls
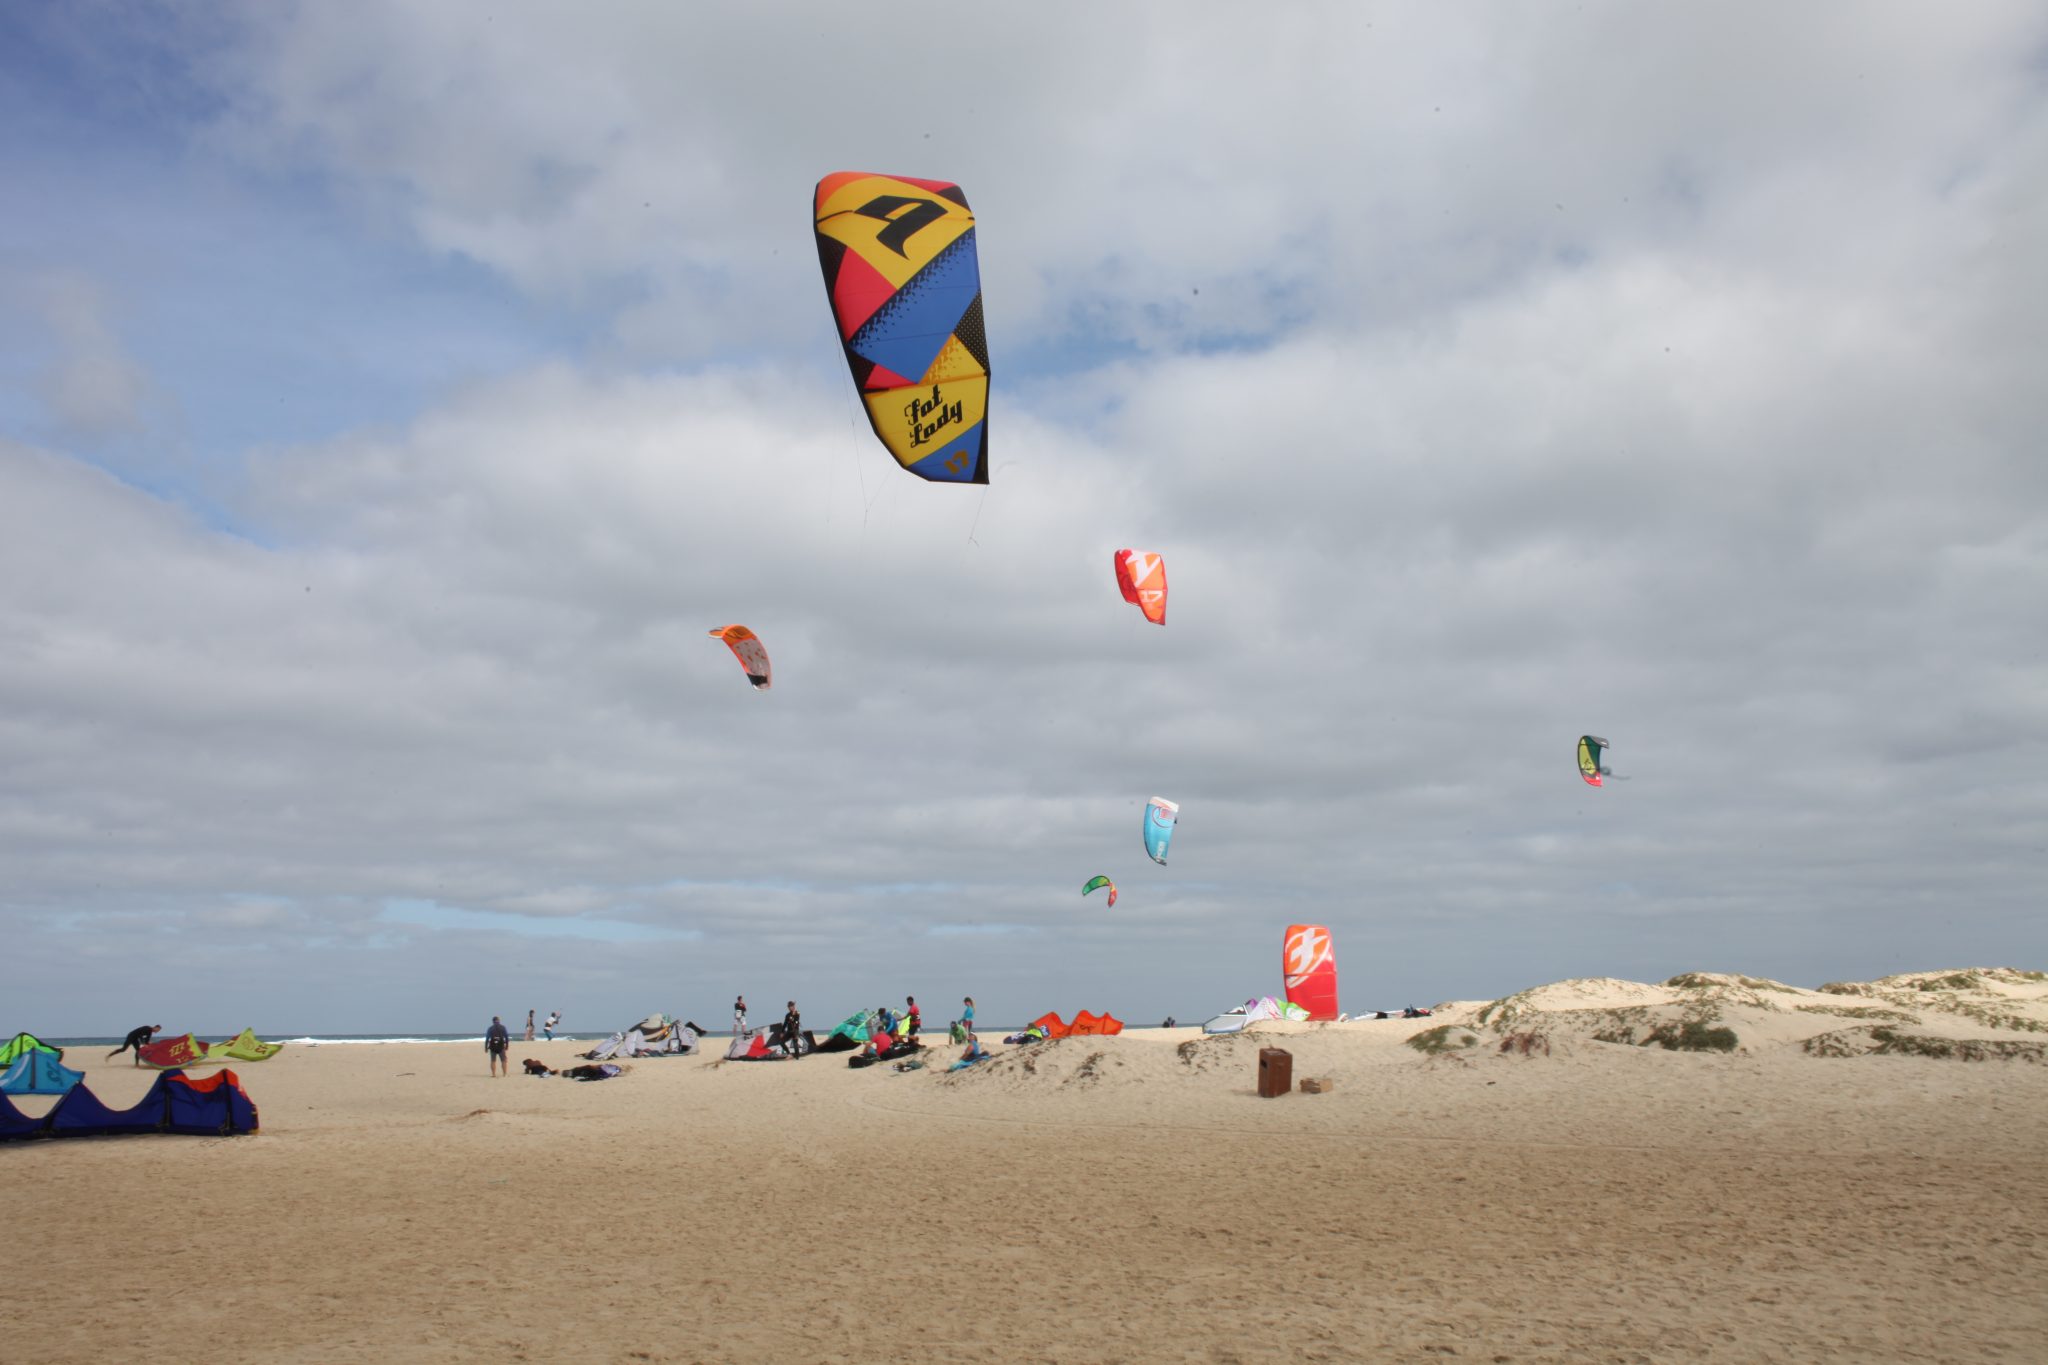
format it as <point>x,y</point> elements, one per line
<point>392,397</point>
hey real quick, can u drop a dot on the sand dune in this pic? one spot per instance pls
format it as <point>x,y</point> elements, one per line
<point>1562,1187</point>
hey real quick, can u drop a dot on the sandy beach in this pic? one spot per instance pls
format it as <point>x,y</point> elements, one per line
<point>1823,1191</point>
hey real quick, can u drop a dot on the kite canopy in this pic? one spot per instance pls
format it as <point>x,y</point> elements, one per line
<point>1094,883</point>
<point>1251,1012</point>
<point>751,1046</point>
<point>851,1033</point>
<point>211,1106</point>
<point>37,1072</point>
<point>1308,966</point>
<point>748,649</point>
<point>1085,1025</point>
<point>25,1042</point>
<point>1160,815</point>
<point>183,1050</point>
<point>905,287</point>
<point>1590,749</point>
<point>244,1047</point>
<point>1142,579</point>
<point>658,1035</point>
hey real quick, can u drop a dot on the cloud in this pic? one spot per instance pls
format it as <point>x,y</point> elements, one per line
<point>91,386</point>
<point>1348,162</point>
<point>1611,373</point>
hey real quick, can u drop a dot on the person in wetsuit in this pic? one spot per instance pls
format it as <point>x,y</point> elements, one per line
<point>134,1041</point>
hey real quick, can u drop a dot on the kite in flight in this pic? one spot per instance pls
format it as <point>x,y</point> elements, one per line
<point>1160,815</point>
<point>747,648</point>
<point>905,287</point>
<point>1590,768</point>
<point>1142,577</point>
<point>1095,882</point>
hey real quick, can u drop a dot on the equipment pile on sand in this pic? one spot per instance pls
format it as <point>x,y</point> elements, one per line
<point>658,1035</point>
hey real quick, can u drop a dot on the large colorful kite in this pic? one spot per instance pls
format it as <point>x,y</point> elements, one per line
<point>905,286</point>
<point>1096,884</point>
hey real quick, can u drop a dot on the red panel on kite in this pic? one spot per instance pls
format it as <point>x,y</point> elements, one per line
<point>858,291</point>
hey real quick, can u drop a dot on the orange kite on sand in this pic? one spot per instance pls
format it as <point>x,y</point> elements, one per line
<point>1084,1025</point>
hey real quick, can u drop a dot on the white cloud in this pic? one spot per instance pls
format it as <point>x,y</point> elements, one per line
<point>91,386</point>
<point>1668,376</point>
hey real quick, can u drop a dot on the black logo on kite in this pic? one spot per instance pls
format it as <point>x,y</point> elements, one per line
<point>902,226</point>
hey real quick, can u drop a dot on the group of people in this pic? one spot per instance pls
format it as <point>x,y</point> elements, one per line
<point>896,1028</point>
<point>888,1029</point>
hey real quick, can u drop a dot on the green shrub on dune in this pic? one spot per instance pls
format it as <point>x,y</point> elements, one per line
<point>1434,1042</point>
<point>1692,1035</point>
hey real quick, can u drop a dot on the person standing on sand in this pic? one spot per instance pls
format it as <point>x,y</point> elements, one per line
<point>739,1017</point>
<point>554,1018</point>
<point>913,1022</point>
<point>135,1039</point>
<point>967,1016</point>
<point>529,1026</point>
<point>498,1042</point>
<point>792,1026</point>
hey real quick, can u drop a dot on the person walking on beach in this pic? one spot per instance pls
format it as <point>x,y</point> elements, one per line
<point>134,1041</point>
<point>739,1017</point>
<point>529,1026</point>
<point>498,1043</point>
<point>792,1022</point>
<point>554,1018</point>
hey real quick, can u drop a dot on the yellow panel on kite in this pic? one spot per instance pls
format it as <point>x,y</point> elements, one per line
<point>905,287</point>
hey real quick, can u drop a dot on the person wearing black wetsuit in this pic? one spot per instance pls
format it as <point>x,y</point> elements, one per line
<point>135,1039</point>
<point>792,1024</point>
